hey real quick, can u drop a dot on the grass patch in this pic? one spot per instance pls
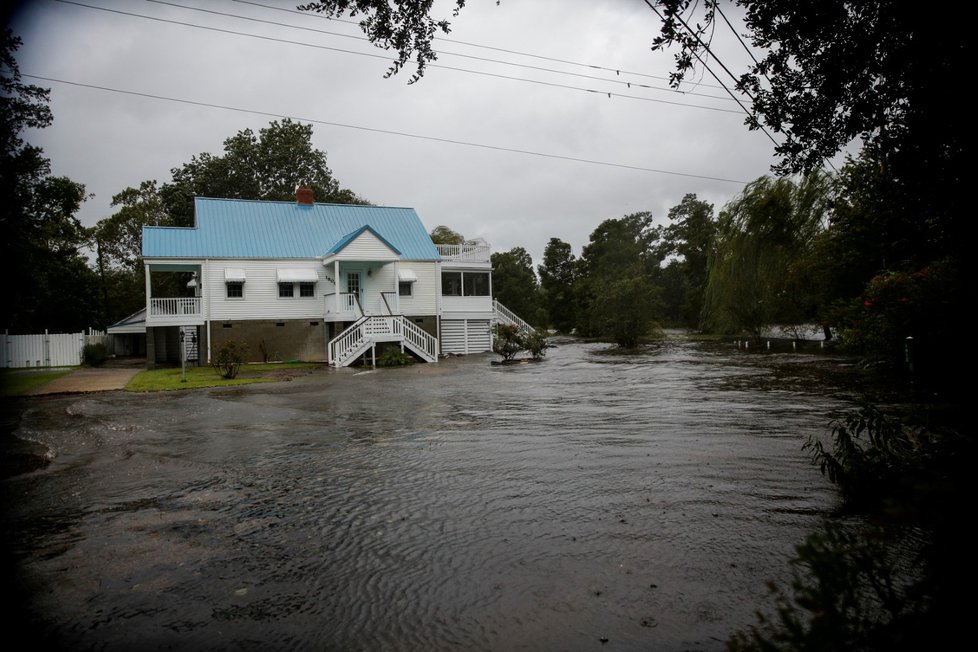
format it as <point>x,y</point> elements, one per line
<point>14,382</point>
<point>171,378</point>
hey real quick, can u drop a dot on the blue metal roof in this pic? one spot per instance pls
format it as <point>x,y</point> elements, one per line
<point>239,228</point>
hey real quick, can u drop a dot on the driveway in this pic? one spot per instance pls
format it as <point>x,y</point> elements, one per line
<point>113,375</point>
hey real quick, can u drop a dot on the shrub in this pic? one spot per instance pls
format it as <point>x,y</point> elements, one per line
<point>506,340</point>
<point>535,343</point>
<point>230,356</point>
<point>509,340</point>
<point>95,355</point>
<point>394,357</point>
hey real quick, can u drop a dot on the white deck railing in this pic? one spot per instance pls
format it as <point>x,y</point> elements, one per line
<point>507,316</point>
<point>344,303</point>
<point>174,309</point>
<point>465,253</point>
<point>421,340</point>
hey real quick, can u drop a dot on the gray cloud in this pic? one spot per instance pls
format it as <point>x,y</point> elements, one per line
<point>110,140</point>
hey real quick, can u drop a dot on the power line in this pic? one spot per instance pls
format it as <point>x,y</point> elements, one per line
<point>376,56</point>
<point>748,112</point>
<point>383,131</point>
<point>617,71</point>
<point>756,63</point>
<point>618,81</point>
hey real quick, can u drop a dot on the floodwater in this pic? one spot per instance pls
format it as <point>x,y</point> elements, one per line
<point>592,501</point>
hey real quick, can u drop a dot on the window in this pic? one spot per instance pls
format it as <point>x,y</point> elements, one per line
<point>405,289</point>
<point>451,284</point>
<point>475,284</point>
<point>465,284</point>
<point>285,290</point>
<point>235,290</point>
<point>307,289</point>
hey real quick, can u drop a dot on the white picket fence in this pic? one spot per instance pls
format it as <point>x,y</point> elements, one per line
<point>46,349</point>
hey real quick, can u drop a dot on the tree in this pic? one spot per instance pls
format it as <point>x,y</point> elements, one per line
<point>268,166</point>
<point>881,72</point>
<point>119,238</point>
<point>690,237</point>
<point>118,248</point>
<point>625,307</point>
<point>47,283</point>
<point>558,273</point>
<point>443,235</point>
<point>405,26</point>
<point>616,271</point>
<point>760,271</point>
<point>515,284</point>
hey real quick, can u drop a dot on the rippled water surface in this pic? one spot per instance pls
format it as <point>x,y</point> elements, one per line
<point>643,499</point>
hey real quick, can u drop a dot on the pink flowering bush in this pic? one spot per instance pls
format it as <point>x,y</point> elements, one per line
<point>896,305</point>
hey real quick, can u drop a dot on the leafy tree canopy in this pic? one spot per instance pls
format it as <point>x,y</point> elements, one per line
<point>558,273</point>
<point>46,279</point>
<point>119,238</point>
<point>882,72</point>
<point>689,236</point>
<point>405,26</point>
<point>266,166</point>
<point>619,244</point>
<point>443,235</point>
<point>760,271</point>
<point>515,284</point>
<point>615,293</point>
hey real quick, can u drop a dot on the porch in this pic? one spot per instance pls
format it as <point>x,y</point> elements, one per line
<point>180,303</point>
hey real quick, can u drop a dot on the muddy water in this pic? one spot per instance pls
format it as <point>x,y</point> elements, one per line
<point>642,499</point>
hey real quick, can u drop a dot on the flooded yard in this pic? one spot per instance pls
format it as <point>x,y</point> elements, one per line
<point>592,501</point>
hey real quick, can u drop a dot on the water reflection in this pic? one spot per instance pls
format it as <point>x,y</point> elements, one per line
<point>645,499</point>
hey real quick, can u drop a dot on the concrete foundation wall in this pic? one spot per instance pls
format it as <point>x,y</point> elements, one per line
<point>295,339</point>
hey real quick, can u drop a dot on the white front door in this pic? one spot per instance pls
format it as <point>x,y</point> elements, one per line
<point>354,288</point>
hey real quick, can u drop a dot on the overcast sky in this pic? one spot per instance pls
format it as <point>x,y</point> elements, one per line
<point>510,136</point>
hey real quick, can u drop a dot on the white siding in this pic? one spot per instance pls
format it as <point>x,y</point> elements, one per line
<point>380,279</point>
<point>467,305</point>
<point>261,300</point>
<point>424,301</point>
<point>366,246</point>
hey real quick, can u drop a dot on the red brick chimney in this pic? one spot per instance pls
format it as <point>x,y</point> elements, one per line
<point>304,195</point>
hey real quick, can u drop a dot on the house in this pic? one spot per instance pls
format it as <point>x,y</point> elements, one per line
<point>318,282</point>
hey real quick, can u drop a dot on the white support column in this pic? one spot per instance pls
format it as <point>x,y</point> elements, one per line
<point>397,286</point>
<point>149,292</point>
<point>336,285</point>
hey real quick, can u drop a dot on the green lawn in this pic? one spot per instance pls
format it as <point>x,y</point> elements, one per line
<point>171,378</point>
<point>14,382</point>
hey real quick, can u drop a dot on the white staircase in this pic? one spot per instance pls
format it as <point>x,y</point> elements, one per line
<point>503,315</point>
<point>370,330</point>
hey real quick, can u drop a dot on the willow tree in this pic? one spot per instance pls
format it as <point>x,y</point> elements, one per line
<point>762,270</point>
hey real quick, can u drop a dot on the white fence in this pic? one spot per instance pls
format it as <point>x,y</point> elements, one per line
<point>46,350</point>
